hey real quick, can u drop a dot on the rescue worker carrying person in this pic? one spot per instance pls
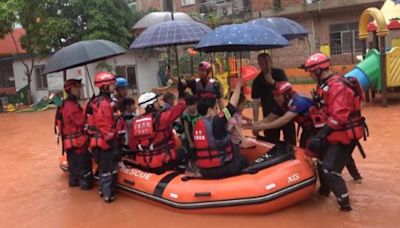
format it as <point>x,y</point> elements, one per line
<point>289,106</point>
<point>151,136</point>
<point>338,114</point>
<point>216,155</point>
<point>203,87</point>
<point>102,133</point>
<point>69,125</point>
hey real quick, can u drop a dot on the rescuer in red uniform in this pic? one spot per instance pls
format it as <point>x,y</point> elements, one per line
<point>70,124</point>
<point>338,115</point>
<point>101,129</point>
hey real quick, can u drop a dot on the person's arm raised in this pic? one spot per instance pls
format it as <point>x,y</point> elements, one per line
<point>236,93</point>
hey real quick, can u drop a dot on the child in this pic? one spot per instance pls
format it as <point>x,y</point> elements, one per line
<point>236,123</point>
<point>169,100</point>
<point>189,118</point>
<point>128,111</point>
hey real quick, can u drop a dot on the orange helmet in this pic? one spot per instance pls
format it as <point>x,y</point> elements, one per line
<point>104,78</point>
<point>72,83</point>
<point>318,61</point>
<point>283,87</point>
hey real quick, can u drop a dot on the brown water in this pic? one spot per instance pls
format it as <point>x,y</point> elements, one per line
<point>34,191</point>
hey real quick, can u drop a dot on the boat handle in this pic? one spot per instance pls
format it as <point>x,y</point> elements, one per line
<point>202,194</point>
<point>129,182</point>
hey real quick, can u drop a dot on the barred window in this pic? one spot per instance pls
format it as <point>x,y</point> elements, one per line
<point>344,38</point>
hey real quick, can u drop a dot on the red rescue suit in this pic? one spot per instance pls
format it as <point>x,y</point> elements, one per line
<point>69,125</point>
<point>207,91</point>
<point>101,122</point>
<point>152,139</point>
<point>210,152</point>
<point>340,109</point>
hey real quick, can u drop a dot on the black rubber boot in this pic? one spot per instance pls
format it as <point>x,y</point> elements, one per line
<point>324,191</point>
<point>344,203</point>
<point>73,181</point>
<point>107,181</point>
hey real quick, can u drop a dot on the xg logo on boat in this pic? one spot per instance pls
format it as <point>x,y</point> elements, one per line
<point>294,177</point>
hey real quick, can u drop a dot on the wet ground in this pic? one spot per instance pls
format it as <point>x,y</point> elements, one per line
<point>34,191</point>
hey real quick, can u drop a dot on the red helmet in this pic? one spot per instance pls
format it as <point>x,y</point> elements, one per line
<point>72,83</point>
<point>317,61</point>
<point>282,88</point>
<point>104,78</point>
<point>204,65</point>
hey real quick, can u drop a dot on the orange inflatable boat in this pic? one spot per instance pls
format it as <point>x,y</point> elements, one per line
<point>279,176</point>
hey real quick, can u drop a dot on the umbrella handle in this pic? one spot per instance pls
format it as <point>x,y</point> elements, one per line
<point>90,81</point>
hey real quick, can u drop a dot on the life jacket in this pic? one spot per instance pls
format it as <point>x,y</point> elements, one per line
<point>356,127</point>
<point>151,152</point>
<point>206,92</point>
<point>96,139</point>
<point>210,152</point>
<point>73,137</point>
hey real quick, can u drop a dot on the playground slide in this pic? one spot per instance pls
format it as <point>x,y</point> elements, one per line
<point>368,72</point>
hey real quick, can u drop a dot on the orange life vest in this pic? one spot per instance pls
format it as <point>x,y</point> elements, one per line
<point>154,146</point>
<point>73,137</point>
<point>210,152</point>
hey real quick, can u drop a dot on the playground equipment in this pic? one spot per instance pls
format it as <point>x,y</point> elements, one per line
<point>380,69</point>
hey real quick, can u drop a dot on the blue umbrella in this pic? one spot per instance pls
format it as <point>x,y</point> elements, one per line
<point>396,1</point>
<point>284,26</point>
<point>170,33</point>
<point>241,37</point>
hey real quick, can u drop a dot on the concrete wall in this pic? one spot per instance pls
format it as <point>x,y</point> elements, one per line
<point>146,73</point>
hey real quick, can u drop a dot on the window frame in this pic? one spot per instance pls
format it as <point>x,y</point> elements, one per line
<point>341,30</point>
<point>41,78</point>
<point>187,2</point>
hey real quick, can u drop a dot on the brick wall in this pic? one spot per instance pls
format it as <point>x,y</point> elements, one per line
<point>146,4</point>
<point>185,9</point>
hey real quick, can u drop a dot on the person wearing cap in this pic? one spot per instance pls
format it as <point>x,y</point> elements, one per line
<point>203,87</point>
<point>121,91</point>
<point>337,114</point>
<point>261,95</point>
<point>151,136</point>
<point>69,122</point>
<point>102,133</point>
<point>289,106</point>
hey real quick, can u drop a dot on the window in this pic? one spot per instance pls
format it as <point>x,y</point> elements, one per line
<point>128,72</point>
<point>41,79</point>
<point>344,38</point>
<point>6,74</point>
<point>187,2</point>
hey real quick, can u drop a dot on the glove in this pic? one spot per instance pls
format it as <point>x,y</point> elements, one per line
<point>318,143</point>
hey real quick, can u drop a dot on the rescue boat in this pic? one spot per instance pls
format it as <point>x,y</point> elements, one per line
<point>279,176</point>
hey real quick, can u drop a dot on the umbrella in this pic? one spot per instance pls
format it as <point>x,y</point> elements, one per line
<point>241,37</point>
<point>284,26</point>
<point>159,17</point>
<point>170,33</point>
<point>82,53</point>
<point>396,1</point>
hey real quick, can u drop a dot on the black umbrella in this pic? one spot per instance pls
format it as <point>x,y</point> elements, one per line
<point>284,26</point>
<point>82,53</point>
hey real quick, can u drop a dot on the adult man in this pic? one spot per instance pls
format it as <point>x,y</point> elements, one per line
<point>151,136</point>
<point>342,125</point>
<point>70,124</point>
<point>101,129</point>
<point>121,91</point>
<point>262,95</point>
<point>203,87</point>
<point>216,155</point>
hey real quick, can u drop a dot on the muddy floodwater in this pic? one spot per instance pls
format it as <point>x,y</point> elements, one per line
<point>34,192</point>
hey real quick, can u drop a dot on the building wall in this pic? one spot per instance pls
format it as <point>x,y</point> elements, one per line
<point>146,73</point>
<point>146,4</point>
<point>186,9</point>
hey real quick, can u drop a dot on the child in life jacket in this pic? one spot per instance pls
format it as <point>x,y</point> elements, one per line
<point>128,110</point>
<point>236,124</point>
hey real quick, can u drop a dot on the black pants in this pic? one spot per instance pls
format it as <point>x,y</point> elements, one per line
<point>179,164</point>
<point>231,168</point>
<point>80,169</point>
<point>334,159</point>
<point>289,133</point>
<point>107,161</point>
